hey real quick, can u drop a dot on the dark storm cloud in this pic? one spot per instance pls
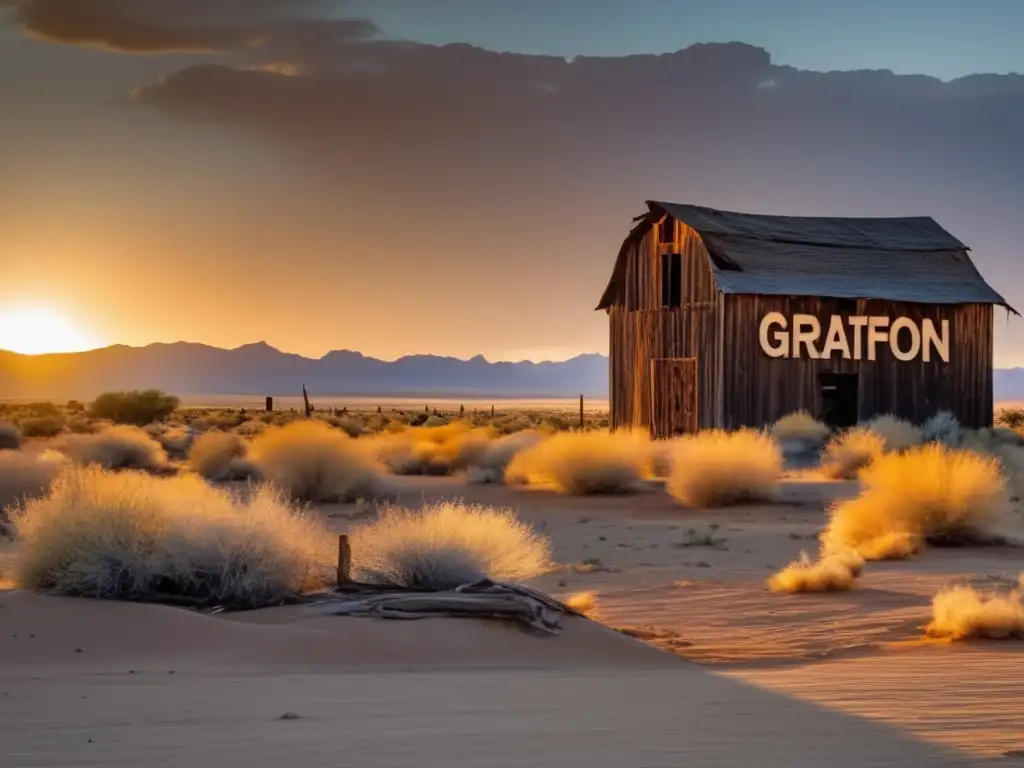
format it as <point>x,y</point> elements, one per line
<point>515,151</point>
<point>285,29</point>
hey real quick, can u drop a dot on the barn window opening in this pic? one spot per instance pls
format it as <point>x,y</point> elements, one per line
<point>838,399</point>
<point>671,279</point>
<point>667,230</point>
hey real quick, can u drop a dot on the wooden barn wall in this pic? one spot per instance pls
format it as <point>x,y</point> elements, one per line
<point>641,330</point>
<point>758,389</point>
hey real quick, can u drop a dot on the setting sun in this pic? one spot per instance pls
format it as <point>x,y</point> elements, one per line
<point>37,331</point>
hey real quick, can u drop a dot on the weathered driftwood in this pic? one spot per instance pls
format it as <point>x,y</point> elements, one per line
<point>486,599</point>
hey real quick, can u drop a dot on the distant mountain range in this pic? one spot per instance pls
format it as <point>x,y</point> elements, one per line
<point>186,369</point>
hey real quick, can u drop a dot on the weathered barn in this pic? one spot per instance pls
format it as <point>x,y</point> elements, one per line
<point>722,319</point>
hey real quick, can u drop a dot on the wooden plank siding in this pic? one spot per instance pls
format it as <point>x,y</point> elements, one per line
<point>759,389</point>
<point>673,396</point>
<point>641,330</point>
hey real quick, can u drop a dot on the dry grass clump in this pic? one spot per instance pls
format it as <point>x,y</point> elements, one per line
<point>83,425</point>
<point>132,536</point>
<point>10,437</point>
<point>582,602</point>
<point>829,573</point>
<point>962,612</point>
<point>446,545</point>
<point>897,434</point>
<point>583,462</point>
<point>311,461</point>
<point>221,457</point>
<point>118,447</point>
<point>800,427</point>
<point>489,465</point>
<point>716,468</point>
<point>928,494</point>
<point>27,475</point>
<point>943,427</point>
<point>437,450</point>
<point>41,426</point>
<point>848,453</point>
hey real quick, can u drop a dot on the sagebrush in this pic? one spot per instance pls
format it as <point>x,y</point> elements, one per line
<point>929,494</point>
<point>133,536</point>
<point>583,462</point>
<point>716,468</point>
<point>445,545</point>
<point>310,461</point>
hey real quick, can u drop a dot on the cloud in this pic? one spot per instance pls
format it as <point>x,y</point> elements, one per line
<point>286,30</point>
<point>498,155</point>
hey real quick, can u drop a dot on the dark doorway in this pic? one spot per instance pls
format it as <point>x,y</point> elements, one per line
<point>838,399</point>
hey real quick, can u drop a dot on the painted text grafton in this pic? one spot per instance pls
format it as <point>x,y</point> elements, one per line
<point>853,338</point>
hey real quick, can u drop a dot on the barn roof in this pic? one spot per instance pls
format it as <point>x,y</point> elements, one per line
<point>910,259</point>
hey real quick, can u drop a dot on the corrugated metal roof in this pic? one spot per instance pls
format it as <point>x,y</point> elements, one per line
<point>895,259</point>
<point>915,233</point>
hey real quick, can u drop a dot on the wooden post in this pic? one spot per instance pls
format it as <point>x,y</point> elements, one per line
<point>344,561</point>
<point>270,404</point>
<point>581,411</point>
<point>492,411</point>
<point>305,399</point>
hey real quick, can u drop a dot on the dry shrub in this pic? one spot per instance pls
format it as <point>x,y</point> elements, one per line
<point>583,462</point>
<point>659,458</point>
<point>897,434</point>
<point>176,441</point>
<point>446,545</point>
<point>962,612</point>
<point>26,475</point>
<point>221,457</point>
<point>848,453</point>
<point>800,427</point>
<point>350,425</point>
<point>716,468</point>
<point>132,536</point>
<point>118,447</point>
<point>830,573</point>
<point>927,494</point>
<point>439,450</point>
<point>250,428</point>
<point>582,602</point>
<point>310,461</point>
<point>10,437</point>
<point>83,425</point>
<point>490,464</point>
<point>41,426</point>
<point>943,427</point>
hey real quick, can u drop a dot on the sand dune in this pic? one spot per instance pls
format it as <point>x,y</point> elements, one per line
<point>160,687</point>
<point>790,680</point>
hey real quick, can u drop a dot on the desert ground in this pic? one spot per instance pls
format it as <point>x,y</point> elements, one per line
<point>687,658</point>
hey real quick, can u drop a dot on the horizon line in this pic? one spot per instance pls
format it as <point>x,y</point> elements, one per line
<point>263,343</point>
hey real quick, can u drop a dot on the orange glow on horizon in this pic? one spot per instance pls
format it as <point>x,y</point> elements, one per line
<point>40,331</point>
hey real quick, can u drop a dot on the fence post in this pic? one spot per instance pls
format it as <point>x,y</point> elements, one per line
<point>270,404</point>
<point>581,411</point>
<point>344,561</point>
<point>305,400</point>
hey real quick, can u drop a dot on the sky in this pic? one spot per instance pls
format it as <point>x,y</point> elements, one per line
<point>320,175</point>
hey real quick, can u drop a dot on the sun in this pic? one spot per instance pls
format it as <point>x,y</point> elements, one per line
<point>38,331</point>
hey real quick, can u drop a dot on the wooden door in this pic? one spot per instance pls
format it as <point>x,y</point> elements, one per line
<point>673,396</point>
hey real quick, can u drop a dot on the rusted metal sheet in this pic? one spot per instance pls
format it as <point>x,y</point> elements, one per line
<point>673,398</point>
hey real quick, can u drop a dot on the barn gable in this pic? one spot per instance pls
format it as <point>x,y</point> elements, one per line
<point>909,259</point>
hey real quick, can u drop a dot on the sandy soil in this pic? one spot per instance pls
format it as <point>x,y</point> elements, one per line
<point>749,677</point>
